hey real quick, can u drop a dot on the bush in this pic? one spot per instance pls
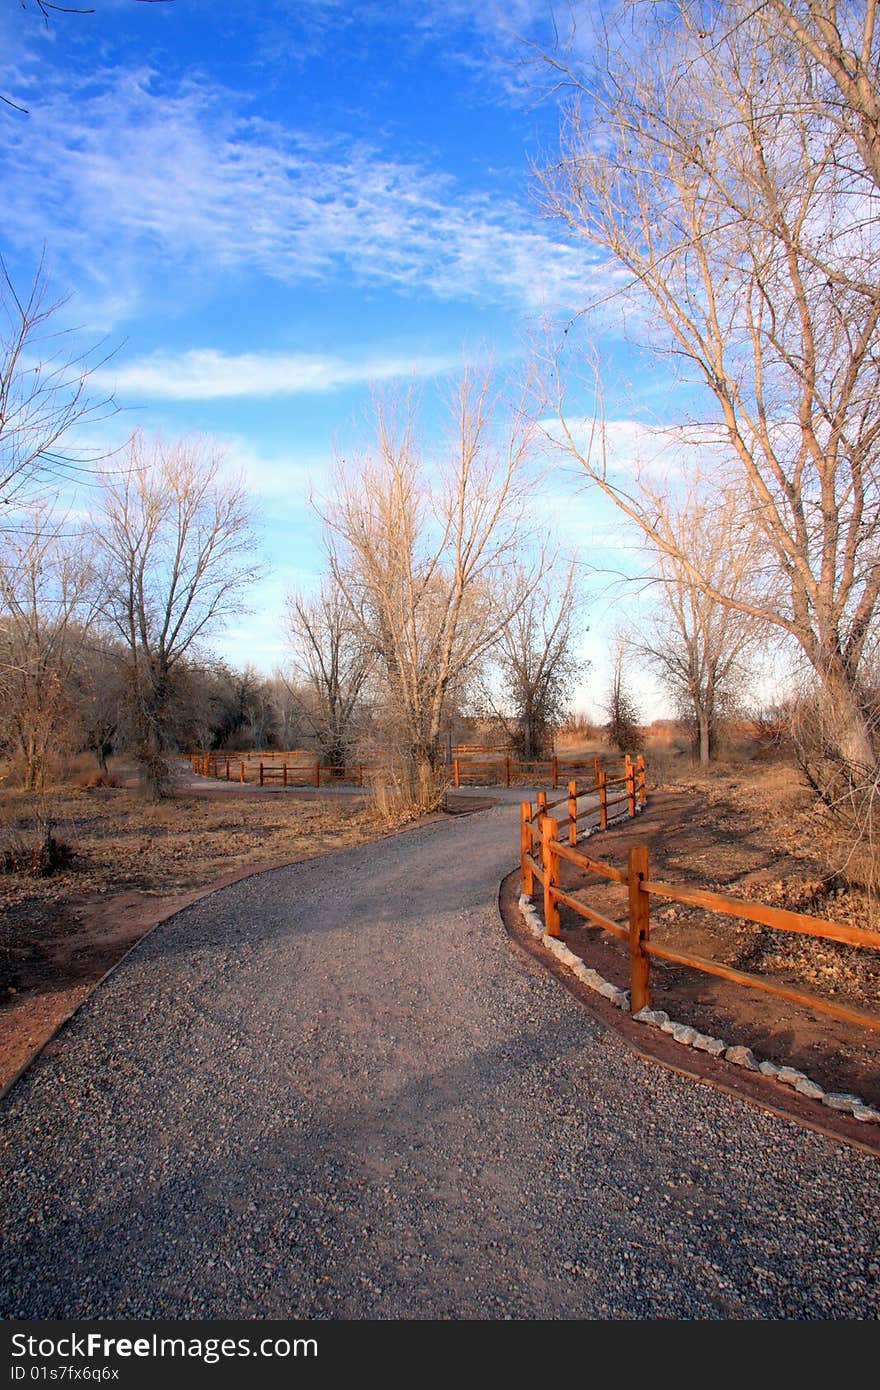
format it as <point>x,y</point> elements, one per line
<point>38,854</point>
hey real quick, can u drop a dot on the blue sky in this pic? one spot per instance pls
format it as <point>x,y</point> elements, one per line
<point>267,209</point>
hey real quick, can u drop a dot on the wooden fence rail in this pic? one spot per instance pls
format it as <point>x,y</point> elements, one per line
<point>291,770</point>
<point>266,771</point>
<point>505,768</point>
<point>538,828</point>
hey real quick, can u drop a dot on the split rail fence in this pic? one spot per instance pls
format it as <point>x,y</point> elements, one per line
<point>292,769</point>
<point>277,769</point>
<point>542,851</point>
<point>504,768</point>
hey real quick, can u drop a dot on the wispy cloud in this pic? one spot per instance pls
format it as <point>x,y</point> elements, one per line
<point>206,374</point>
<point>137,183</point>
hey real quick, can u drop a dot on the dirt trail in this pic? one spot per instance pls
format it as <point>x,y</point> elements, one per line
<point>339,1090</point>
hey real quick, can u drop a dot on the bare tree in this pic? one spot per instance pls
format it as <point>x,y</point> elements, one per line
<point>697,645</point>
<point>331,666</point>
<point>176,544</point>
<point>98,695</point>
<point>843,40</point>
<point>417,559</point>
<point>287,711</point>
<point>623,727</point>
<point>44,393</point>
<point>48,597</point>
<point>708,163</point>
<point>534,660</point>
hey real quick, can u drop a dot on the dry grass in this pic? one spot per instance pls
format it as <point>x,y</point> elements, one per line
<point>119,842</point>
<point>785,816</point>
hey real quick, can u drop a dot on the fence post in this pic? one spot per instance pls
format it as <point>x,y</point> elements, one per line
<point>241,776</point>
<point>572,813</point>
<point>360,774</point>
<point>542,804</point>
<point>284,774</point>
<point>639,930</point>
<point>630,787</point>
<point>525,847</point>
<point>550,859</point>
<point>554,762</point>
<point>643,786</point>
<point>507,769</point>
<point>603,799</point>
<point>227,769</point>
<point>596,768</point>
<point>318,773</point>
<point>261,772</point>
<point>456,770</point>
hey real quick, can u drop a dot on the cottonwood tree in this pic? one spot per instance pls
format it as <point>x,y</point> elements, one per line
<point>331,665</point>
<point>44,394</point>
<point>98,694</point>
<point>417,551</point>
<point>842,39</point>
<point>621,708</point>
<point>176,545</point>
<point>708,161</point>
<point>699,646</point>
<point>534,662</point>
<point>48,599</point>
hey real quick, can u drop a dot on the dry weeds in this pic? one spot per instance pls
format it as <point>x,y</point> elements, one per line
<point>120,842</point>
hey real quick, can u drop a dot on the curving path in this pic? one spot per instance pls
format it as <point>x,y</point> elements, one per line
<point>338,1090</point>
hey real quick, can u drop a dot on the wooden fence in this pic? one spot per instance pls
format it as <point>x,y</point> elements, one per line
<point>538,829</point>
<point>504,768</point>
<point>292,769</point>
<point>278,769</point>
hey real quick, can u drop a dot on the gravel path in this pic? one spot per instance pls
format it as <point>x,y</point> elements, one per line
<point>338,1091</point>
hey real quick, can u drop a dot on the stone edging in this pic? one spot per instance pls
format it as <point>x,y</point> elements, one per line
<point>688,1036</point>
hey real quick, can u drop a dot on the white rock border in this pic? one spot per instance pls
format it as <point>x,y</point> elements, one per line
<point>691,1037</point>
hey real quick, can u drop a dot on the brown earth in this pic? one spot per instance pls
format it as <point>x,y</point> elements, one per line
<point>756,835</point>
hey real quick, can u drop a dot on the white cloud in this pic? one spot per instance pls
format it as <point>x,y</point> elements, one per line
<point>136,183</point>
<point>634,448</point>
<point>206,374</point>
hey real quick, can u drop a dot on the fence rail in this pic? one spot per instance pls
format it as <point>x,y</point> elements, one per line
<point>279,769</point>
<point>538,828</point>
<point>508,769</point>
<point>292,769</point>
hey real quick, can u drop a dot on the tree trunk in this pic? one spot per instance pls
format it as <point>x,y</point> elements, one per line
<point>333,755</point>
<point>849,731</point>
<point>425,765</point>
<point>151,701</point>
<point>704,725</point>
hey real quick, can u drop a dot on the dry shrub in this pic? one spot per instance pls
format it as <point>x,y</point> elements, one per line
<point>396,800</point>
<point>37,853</point>
<point>94,779</point>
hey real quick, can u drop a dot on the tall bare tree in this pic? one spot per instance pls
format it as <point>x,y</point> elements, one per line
<point>843,40</point>
<point>44,394</point>
<point>698,646</point>
<point>621,707</point>
<point>48,598</point>
<point>176,544</point>
<point>708,161</point>
<point>534,660</point>
<point>332,663</point>
<point>417,557</point>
